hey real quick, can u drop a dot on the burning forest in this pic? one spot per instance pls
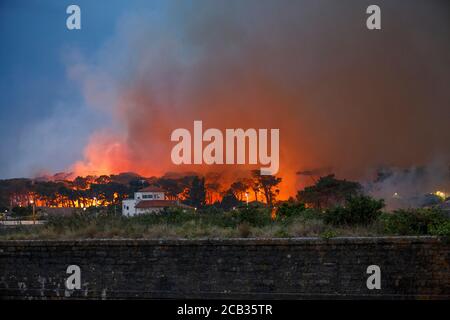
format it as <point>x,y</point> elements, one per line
<point>110,190</point>
<point>343,107</point>
<point>216,189</point>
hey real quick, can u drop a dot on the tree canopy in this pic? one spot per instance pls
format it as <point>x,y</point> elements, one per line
<point>328,192</point>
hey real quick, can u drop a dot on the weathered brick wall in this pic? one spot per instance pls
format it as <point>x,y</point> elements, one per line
<point>276,268</point>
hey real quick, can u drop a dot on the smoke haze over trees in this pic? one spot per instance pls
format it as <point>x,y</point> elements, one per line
<point>343,97</point>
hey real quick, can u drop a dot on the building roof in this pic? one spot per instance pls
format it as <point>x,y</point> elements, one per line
<point>156,204</point>
<point>152,189</point>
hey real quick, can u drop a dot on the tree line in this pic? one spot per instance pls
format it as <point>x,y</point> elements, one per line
<point>193,190</point>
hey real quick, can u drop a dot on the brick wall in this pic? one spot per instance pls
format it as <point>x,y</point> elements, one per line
<point>411,267</point>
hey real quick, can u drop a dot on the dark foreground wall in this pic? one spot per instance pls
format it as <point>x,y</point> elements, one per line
<point>241,268</point>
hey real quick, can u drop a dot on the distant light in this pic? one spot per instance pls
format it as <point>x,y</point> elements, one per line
<point>440,194</point>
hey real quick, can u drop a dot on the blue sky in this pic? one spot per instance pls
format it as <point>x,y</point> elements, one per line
<point>35,89</point>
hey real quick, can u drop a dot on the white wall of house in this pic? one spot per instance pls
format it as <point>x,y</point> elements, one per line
<point>129,207</point>
<point>149,196</point>
<point>148,210</point>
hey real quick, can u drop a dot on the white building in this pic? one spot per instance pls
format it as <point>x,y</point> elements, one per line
<point>148,200</point>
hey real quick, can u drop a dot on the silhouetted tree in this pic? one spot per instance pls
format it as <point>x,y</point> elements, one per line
<point>103,179</point>
<point>173,187</point>
<point>238,188</point>
<point>229,201</point>
<point>328,191</point>
<point>268,184</point>
<point>81,183</point>
<point>196,196</point>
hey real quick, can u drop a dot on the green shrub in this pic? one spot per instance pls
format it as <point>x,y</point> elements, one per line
<point>211,210</point>
<point>328,234</point>
<point>290,209</point>
<point>21,212</point>
<point>175,216</point>
<point>253,216</point>
<point>440,229</point>
<point>281,233</point>
<point>415,222</point>
<point>73,221</point>
<point>359,210</point>
<point>223,220</point>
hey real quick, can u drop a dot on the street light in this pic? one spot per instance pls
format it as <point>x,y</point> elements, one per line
<point>34,211</point>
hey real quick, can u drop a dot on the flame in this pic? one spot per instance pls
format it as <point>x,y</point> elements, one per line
<point>61,201</point>
<point>441,194</point>
<point>108,153</point>
<point>104,155</point>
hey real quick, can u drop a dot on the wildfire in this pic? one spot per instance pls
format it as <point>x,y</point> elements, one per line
<point>441,194</point>
<point>58,200</point>
<point>105,154</point>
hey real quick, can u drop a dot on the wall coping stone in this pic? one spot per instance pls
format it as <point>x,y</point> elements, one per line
<point>301,241</point>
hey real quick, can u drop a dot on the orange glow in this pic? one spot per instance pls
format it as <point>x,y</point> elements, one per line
<point>103,155</point>
<point>273,213</point>
<point>57,200</point>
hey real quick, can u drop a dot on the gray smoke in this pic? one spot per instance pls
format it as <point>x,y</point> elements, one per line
<point>343,97</point>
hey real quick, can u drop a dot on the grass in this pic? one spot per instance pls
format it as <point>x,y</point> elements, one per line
<point>155,227</point>
<point>243,223</point>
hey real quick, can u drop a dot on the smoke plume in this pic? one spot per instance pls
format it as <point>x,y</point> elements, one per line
<point>342,96</point>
